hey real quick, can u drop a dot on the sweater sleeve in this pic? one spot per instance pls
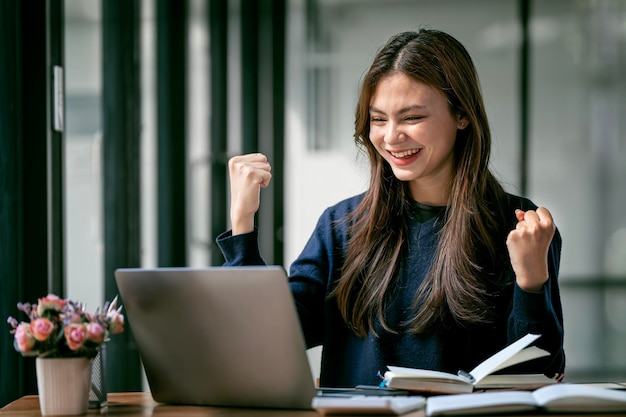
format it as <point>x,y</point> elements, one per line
<point>240,250</point>
<point>541,313</point>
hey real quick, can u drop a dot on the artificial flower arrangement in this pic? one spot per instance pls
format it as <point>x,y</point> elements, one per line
<point>62,328</point>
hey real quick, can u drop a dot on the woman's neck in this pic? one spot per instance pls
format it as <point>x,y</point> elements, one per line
<point>434,195</point>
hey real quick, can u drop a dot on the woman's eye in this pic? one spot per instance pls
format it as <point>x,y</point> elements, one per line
<point>377,119</point>
<point>413,118</point>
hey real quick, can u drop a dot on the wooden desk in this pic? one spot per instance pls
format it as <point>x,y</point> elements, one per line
<point>141,404</point>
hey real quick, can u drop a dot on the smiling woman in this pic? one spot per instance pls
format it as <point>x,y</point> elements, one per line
<point>415,271</point>
<point>414,130</point>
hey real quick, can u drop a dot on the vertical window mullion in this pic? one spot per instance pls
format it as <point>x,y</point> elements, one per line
<point>121,171</point>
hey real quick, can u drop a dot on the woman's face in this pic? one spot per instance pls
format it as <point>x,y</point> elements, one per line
<point>413,130</point>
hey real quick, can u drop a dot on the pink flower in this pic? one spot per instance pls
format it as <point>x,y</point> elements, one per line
<point>95,332</point>
<point>41,329</point>
<point>75,318</point>
<point>24,339</point>
<point>50,302</point>
<point>116,322</point>
<point>75,335</point>
<point>63,328</point>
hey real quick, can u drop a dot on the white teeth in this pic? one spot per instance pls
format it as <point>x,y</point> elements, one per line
<point>404,154</point>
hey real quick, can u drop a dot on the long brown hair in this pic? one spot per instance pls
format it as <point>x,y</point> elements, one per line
<point>455,287</point>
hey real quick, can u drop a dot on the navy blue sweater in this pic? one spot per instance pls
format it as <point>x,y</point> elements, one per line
<point>349,360</point>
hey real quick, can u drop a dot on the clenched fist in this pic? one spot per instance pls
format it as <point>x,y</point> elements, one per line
<point>248,174</point>
<point>528,247</point>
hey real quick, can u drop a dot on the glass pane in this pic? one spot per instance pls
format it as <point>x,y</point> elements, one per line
<point>83,201</point>
<point>198,138</point>
<point>577,169</point>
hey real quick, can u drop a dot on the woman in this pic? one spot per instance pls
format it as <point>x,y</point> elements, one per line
<point>435,266</point>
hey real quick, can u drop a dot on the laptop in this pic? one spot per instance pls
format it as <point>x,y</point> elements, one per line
<point>218,336</point>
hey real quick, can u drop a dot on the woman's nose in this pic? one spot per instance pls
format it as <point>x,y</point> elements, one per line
<point>394,134</point>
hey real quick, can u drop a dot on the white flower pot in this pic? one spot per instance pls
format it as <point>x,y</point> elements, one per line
<point>63,385</point>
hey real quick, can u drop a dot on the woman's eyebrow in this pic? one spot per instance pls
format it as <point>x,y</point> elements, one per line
<point>402,110</point>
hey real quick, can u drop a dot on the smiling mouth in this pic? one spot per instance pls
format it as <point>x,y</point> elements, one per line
<point>404,154</point>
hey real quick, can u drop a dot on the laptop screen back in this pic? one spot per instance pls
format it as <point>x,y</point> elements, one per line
<point>221,336</point>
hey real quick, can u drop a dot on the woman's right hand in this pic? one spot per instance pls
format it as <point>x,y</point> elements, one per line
<point>248,174</point>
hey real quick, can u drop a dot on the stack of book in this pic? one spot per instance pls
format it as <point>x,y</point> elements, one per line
<point>480,391</point>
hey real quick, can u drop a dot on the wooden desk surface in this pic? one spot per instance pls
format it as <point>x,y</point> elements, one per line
<point>141,404</point>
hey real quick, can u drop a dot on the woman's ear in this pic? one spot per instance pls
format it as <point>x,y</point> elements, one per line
<point>462,122</point>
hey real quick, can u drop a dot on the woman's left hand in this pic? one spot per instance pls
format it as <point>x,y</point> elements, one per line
<point>528,247</point>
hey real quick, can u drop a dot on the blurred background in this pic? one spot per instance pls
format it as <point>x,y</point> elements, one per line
<point>158,95</point>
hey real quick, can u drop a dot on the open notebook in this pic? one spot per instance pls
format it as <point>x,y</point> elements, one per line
<point>220,336</point>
